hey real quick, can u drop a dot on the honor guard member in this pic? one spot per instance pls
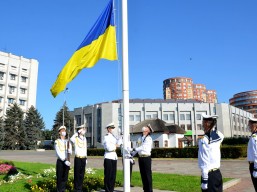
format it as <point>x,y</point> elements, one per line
<point>62,148</point>
<point>110,143</point>
<point>252,151</point>
<point>209,155</point>
<point>144,149</point>
<point>80,144</point>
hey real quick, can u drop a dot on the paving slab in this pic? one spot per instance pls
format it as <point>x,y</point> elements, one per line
<point>237,169</point>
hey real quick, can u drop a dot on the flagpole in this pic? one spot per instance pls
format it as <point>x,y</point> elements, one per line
<point>125,82</point>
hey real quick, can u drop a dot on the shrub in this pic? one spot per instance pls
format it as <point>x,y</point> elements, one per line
<point>235,141</point>
<point>90,184</point>
<point>7,167</point>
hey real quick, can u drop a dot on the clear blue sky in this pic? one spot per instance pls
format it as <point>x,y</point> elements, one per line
<point>219,36</point>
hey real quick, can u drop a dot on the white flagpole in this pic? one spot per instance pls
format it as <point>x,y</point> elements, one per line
<point>125,82</point>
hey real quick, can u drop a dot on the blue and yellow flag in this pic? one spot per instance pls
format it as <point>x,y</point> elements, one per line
<point>100,43</point>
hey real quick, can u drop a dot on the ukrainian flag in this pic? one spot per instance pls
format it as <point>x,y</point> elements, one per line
<point>100,43</point>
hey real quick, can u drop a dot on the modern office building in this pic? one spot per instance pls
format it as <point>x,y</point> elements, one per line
<point>232,121</point>
<point>18,81</point>
<point>245,100</point>
<point>184,88</point>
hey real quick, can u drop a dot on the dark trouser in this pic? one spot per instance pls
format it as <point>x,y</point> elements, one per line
<point>79,172</point>
<point>254,180</point>
<point>110,167</point>
<point>214,182</point>
<point>62,172</point>
<point>145,166</point>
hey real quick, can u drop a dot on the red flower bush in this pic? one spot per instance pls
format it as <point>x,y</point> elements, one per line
<point>5,168</point>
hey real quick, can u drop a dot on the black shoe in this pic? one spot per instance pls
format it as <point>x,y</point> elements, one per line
<point>131,185</point>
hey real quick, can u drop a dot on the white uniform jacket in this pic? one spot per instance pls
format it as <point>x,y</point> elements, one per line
<point>144,145</point>
<point>110,146</point>
<point>80,145</point>
<point>252,150</point>
<point>209,154</point>
<point>60,146</point>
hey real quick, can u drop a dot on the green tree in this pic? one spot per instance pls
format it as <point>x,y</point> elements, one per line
<point>34,126</point>
<point>47,134</point>
<point>2,133</point>
<point>15,135</point>
<point>58,121</point>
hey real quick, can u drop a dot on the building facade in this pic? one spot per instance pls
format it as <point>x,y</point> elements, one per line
<point>184,88</point>
<point>18,81</point>
<point>245,100</point>
<point>232,121</point>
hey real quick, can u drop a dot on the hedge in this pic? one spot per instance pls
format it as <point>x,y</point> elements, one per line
<point>187,152</point>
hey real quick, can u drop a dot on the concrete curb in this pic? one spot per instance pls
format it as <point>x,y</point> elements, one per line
<point>231,183</point>
<point>226,185</point>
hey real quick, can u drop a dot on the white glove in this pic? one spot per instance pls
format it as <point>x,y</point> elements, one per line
<point>133,153</point>
<point>67,163</point>
<point>204,186</point>
<point>86,162</point>
<point>255,174</point>
<point>132,161</point>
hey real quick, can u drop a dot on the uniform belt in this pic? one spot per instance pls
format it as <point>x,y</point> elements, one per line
<point>111,151</point>
<point>81,157</point>
<point>144,155</point>
<point>215,169</point>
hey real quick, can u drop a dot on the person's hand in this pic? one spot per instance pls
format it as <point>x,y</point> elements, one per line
<point>255,174</point>
<point>133,153</point>
<point>132,161</point>
<point>67,163</point>
<point>204,186</point>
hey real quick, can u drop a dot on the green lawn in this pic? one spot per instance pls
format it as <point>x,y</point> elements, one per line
<point>171,182</point>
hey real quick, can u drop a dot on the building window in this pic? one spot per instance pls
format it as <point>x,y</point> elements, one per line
<point>23,79</point>
<point>1,87</point>
<point>23,91</point>
<point>198,117</point>
<point>1,75</point>
<point>189,127</point>
<point>12,76</point>
<point>10,100</point>
<point>172,117</point>
<point>188,117</point>
<point>156,144</point>
<point>22,102</point>
<point>166,143</point>
<point>1,98</point>
<point>165,117</point>
<point>199,126</point>
<point>131,117</point>
<point>78,120</point>
<point>182,126</point>
<point>11,89</point>
<point>182,116</point>
<point>138,118</point>
<point>148,116</point>
<point>155,116</point>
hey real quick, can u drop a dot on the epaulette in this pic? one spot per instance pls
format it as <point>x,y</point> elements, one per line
<point>253,135</point>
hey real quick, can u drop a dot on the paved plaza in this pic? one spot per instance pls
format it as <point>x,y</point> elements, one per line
<point>229,168</point>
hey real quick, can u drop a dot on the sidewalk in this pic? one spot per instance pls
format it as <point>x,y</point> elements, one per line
<point>237,169</point>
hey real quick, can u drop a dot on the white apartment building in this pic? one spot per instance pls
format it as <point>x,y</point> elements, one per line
<point>232,121</point>
<point>18,81</point>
